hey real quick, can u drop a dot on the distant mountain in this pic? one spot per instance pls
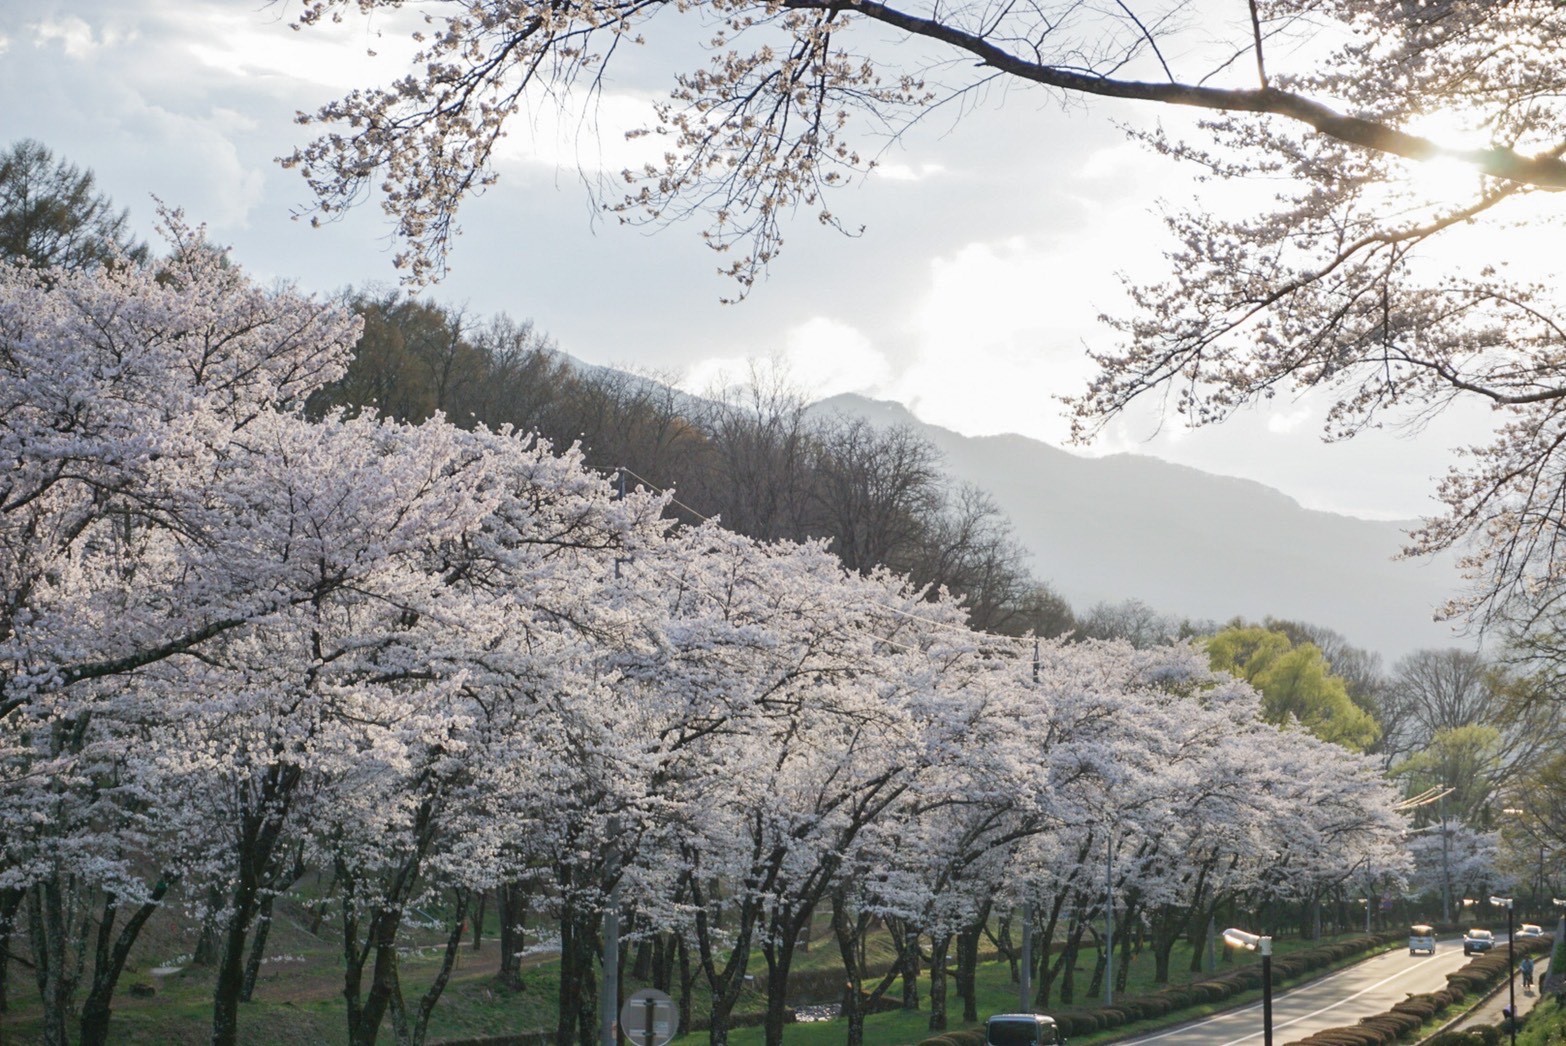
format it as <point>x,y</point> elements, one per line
<point>1192,544</point>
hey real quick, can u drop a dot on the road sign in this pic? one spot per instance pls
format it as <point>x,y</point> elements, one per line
<point>648,1018</point>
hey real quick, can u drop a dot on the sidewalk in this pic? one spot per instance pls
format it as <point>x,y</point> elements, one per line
<point>1489,1011</point>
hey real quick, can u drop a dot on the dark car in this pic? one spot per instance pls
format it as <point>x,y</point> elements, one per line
<point>1022,1029</point>
<point>1478,941</point>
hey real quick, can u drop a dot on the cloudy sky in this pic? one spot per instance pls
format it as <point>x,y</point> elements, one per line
<point>992,239</point>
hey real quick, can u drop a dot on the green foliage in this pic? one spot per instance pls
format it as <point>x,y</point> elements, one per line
<point>52,215</point>
<point>1296,682</point>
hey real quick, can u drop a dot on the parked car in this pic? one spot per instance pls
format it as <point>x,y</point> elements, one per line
<point>1530,930</point>
<point>1022,1029</point>
<point>1478,941</point>
<point>1421,938</point>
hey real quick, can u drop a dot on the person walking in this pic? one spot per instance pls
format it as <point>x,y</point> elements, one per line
<point>1526,967</point>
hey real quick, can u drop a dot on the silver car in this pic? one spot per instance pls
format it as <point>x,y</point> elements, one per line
<point>1475,941</point>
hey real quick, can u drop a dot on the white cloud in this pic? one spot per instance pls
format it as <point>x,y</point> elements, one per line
<point>828,357</point>
<point>569,136</point>
<point>821,357</point>
<point>902,172</point>
<point>1282,421</point>
<point>73,35</point>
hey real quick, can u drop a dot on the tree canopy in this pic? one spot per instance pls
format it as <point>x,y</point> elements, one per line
<point>1348,278</point>
<point>53,216</point>
<point>241,639</point>
<point>1296,683</point>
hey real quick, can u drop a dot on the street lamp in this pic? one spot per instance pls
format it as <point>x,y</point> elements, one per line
<point>1254,943</point>
<point>1511,969</point>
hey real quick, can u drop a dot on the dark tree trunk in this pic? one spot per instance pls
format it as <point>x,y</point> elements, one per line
<point>478,918</point>
<point>780,957</point>
<point>257,948</point>
<point>968,967</point>
<point>260,833</point>
<point>1068,961</point>
<point>1047,970</point>
<point>725,981</point>
<point>10,904</point>
<point>643,968</point>
<point>206,951</point>
<point>512,902</point>
<point>687,983</point>
<point>578,976</point>
<point>939,943</point>
<point>853,988</point>
<point>1010,952</point>
<point>109,962</point>
<point>385,982</point>
<point>56,968</point>
<point>906,938</point>
<point>851,934</point>
<point>413,1028</point>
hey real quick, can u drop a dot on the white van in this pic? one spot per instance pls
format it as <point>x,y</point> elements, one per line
<point>1022,1029</point>
<point>1421,938</point>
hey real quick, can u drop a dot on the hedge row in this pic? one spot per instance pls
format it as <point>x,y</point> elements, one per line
<point>1407,1017</point>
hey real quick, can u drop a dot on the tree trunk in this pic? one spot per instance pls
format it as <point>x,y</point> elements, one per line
<point>1047,970</point>
<point>206,951</point>
<point>939,943</point>
<point>642,970</point>
<point>478,917</point>
<point>257,948</point>
<point>256,852</point>
<point>385,982</point>
<point>968,967</point>
<point>578,1017</point>
<point>1068,961</point>
<point>56,969</point>
<point>687,984</point>
<point>109,963</point>
<point>412,1032</point>
<point>512,902</point>
<point>906,938</point>
<point>780,956</point>
<point>853,988</point>
<point>10,904</point>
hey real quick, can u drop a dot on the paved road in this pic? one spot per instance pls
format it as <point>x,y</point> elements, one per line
<point>1336,1000</point>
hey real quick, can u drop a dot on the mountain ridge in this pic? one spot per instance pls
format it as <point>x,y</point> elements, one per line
<point>1194,544</point>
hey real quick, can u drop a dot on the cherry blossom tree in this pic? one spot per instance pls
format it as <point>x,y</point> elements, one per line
<point>126,394</point>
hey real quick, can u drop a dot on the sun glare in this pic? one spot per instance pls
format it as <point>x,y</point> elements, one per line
<point>1444,180</point>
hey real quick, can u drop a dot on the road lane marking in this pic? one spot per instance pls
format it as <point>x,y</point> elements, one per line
<point>1276,1025</point>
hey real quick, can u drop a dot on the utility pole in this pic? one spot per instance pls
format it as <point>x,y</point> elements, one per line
<point>1025,972</point>
<point>1446,867</point>
<point>609,992</point>
<point>1109,923</point>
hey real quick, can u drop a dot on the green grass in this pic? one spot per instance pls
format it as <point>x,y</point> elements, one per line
<point>300,1001</point>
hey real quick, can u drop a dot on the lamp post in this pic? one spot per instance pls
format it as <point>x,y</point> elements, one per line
<point>1511,969</point>
<point>1253,942</point>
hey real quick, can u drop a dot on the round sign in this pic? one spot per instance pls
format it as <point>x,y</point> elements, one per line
<point>648,1018</point>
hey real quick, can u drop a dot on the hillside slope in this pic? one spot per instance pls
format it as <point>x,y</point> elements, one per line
<point>1193,544</point>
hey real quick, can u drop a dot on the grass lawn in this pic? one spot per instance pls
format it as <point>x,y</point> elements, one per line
<point>299,997</point>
